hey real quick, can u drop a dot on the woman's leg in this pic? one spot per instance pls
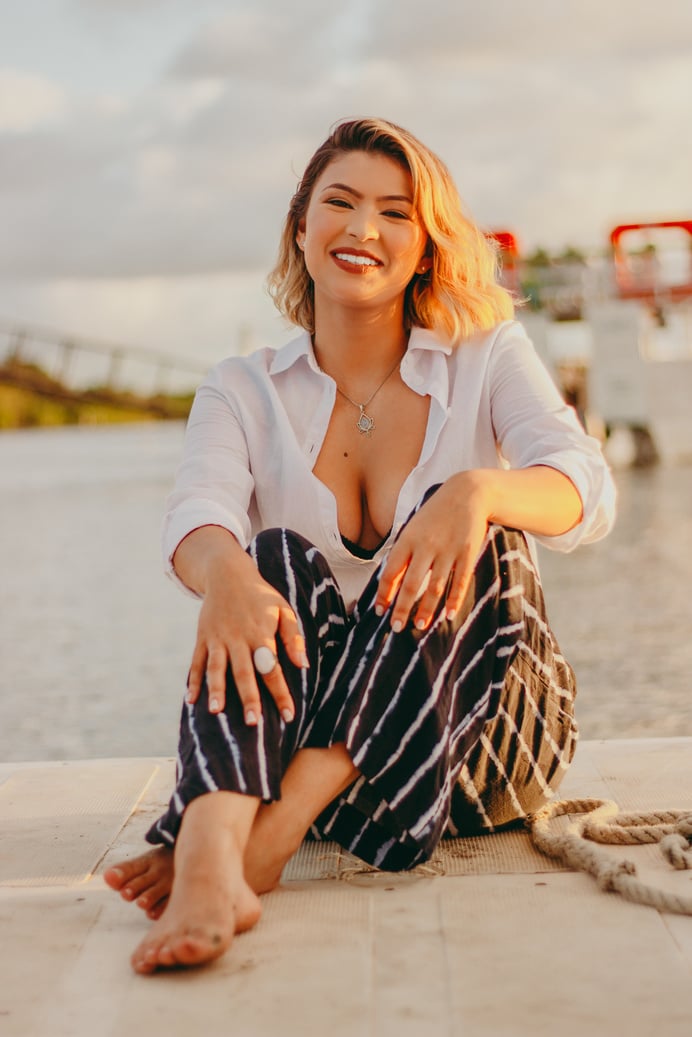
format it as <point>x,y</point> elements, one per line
<point>414,705</point>
<point>525,749</point>
<point>210,900</point>
<point>314,778</point>
<point>222,754</point>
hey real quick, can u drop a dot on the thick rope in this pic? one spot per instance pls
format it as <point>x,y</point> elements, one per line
<point>672,829</point>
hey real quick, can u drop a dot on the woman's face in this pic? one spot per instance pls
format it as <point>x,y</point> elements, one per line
<point>361,235</point>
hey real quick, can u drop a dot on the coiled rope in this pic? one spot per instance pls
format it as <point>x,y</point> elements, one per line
<point>602,823</point>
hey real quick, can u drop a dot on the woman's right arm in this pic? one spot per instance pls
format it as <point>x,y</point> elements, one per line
<point>240,612</point>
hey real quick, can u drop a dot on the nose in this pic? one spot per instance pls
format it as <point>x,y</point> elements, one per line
<point>362,224</point>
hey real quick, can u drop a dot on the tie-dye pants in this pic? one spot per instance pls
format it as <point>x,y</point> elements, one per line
<point>462,728</point>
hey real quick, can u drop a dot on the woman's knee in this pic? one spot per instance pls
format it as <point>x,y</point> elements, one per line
<point>284,548</point>
<point>290,562</point>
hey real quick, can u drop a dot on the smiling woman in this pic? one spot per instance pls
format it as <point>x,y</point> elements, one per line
<point>362,223</point>
<point>373,663</point>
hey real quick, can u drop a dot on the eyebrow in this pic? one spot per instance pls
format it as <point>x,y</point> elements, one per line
<point>357,194</point>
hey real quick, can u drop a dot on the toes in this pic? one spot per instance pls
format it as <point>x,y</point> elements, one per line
<point>194,948</point>
<point>166,957</point>
<point>115,877</point>
<point>146,958</point>
<point>153,894</point>
<point>126,872</point>
<point>157,910</point>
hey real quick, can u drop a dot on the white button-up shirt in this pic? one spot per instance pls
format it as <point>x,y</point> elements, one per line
<point>258,422</point>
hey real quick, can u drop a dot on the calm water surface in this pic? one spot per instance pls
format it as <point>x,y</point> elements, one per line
<point>95,641</point>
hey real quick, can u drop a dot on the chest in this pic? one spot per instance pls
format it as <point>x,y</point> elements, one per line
<point>365,470</point>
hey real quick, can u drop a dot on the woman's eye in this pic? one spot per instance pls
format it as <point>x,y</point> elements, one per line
<point>341,202</point>
<point>397,214</point>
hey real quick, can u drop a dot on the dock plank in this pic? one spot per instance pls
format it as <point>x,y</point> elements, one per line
<point>58,820</point>
<point>492,938</point>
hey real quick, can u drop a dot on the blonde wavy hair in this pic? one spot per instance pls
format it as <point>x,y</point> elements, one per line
<point>458,295</point>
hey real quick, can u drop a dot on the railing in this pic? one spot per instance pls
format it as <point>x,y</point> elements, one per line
<point>77,362</point>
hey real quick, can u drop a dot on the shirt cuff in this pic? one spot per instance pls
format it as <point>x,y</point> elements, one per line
<point>598,496</point>
<point>191,515</point>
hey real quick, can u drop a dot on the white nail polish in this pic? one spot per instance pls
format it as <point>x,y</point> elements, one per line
<point>304,661</point>
<point>379,611</point>
<point>251,717</point>
<point>287,715</point>
<point>214,705</point>
<point>450,614</point>
<point>420,624</point>
<point>397,626</point>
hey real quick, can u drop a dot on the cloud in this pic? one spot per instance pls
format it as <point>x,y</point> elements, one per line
<point>27,102</point>
<point>553,119</point>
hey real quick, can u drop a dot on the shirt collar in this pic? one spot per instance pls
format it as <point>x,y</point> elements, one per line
<point>423,368</point>
<point>288,355</point>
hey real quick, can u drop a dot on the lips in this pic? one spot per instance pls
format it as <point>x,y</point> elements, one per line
<point>355,259</point>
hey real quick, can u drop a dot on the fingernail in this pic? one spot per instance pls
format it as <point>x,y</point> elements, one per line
<point>397,626</point>
<point>250,717</point>
<point>304,661</point>
<point>420,624</point>
<point>379,611</point>
<point>287,715</point>
<point>214,705</point>
<point>450,614</point>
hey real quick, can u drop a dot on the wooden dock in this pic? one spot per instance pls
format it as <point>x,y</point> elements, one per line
<point>490,939</point>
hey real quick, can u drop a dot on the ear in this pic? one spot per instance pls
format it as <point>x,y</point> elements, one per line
<point>300,234</point>
<point>426,260</point>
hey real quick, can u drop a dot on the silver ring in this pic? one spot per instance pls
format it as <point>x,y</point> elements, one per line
<point>264,660</point>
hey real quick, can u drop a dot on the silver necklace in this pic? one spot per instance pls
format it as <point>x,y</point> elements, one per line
<point>365,423</point>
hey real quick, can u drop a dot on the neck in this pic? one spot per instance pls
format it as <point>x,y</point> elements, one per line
<point>357,347</point>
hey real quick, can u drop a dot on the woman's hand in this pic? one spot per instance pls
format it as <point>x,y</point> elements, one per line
<point>444,538</point>
<point>240,612</point>
<point>441,543</point>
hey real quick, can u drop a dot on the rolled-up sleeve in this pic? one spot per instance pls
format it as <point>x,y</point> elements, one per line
<point>213,484</point>
<point>534,426</point>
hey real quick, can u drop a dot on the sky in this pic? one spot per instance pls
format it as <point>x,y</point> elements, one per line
<point>149,148</point>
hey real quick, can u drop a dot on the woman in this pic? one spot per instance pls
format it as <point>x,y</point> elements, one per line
<point>372,662</point>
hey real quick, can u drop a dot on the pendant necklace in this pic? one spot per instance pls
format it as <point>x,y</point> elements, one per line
<point>365,423</point>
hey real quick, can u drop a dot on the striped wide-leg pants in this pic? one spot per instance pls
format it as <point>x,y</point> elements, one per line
<point>457,729</point>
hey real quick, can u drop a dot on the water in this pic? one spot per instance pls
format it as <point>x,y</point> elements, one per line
<point>95,642</point>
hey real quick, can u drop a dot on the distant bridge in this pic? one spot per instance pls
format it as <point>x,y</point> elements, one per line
<point>77,362</point>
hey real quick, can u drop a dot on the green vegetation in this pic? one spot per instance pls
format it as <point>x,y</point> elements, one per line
<point>29,397</point>
<point>553,282</point>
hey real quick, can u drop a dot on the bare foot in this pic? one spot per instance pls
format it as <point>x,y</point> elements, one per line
<point>146,880</point>
<point>269,847</point>
<point>210,900</point>
<point>314,777</point>
<point>209,903</point>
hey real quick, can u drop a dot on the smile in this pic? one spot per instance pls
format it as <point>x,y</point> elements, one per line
<point>349,257</point>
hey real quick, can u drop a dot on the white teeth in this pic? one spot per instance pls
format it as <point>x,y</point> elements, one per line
<point>356,260</point>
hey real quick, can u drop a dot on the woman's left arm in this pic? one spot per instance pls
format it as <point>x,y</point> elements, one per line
<point>444,538</point>
<point>556,485</point>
